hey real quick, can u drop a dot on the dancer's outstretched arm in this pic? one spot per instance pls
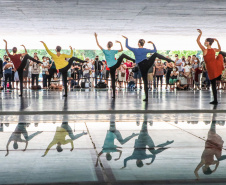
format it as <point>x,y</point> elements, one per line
<point>23,54</point>
<point>6,47</point>
<point>47,49</point>
<point>95,34</point>
<point>198,41</point>
<point>127,45</point>
<point>154,50</point>
<point>219,47</point>
<point>120,45</point>
<point>69,56</point>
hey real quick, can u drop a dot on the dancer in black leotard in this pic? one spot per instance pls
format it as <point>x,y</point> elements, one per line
<point>18,64</point>
<point>111,62</point>
<point>144,63</point>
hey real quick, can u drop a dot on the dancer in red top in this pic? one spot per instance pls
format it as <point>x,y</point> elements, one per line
<point>214,65</point>
<point>18,64</point>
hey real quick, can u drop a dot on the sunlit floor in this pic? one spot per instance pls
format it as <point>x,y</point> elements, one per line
<point>114,142</point>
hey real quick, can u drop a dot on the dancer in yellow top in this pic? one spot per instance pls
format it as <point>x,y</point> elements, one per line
<point>61,63</point>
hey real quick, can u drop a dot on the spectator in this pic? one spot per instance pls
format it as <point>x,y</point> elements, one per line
<point>169,69</point>
<point>182,83</point>
<point>137,76</point>
<point>178,63</point>
<point>1,71</point>
<point>159,72</point>
<point>151,73</point>
<point>45,72</point>
<point>173,78</point>
<point>98,69</point>
<point>35,70</point>
<point>122,75</point>
<point>129,66</point>
<point>197,73</point>
<point>7,67</point>
<point>188,73</point>
<point>87,66</point>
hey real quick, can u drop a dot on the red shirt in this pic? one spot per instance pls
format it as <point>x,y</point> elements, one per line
<point>16,60</point>
<point>214,66</point>
<point>107,68</point>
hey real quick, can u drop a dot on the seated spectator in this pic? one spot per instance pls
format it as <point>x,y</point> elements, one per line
<point>182,83</point>
<point>187,72</point>
<point>173,78</point>
<point>131,80</point>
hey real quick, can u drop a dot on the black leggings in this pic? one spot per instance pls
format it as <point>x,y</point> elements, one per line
<point>145,65</point>
<point>159,78</point>
<point>65,69</point>
<point>21,70</point>
<point>113,69</point>
<point>168,75</point>
<point>214,87</point>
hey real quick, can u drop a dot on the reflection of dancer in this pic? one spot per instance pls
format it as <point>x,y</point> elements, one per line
<point>112,63</point>
<point>18,64</point>
<point>60,138</point>
<point>21,130</point>
<point>61,133</point>
<point>16,136</point>
<point>213,147</point>
<point>144,63</point>
<point>61,63</point>
<point>140,149</point>
<point>109,142</point>
<point>214,65</point>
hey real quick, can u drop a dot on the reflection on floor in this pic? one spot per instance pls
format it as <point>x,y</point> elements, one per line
<point>111,149</point>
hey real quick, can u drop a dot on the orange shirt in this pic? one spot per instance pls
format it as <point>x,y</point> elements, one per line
<point>214,66</point>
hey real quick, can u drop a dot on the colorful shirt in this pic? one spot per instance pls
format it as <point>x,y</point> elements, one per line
<point>140,53</point>
<point>110,57</point>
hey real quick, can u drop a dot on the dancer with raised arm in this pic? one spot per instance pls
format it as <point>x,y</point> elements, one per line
<point>142,61</point>
<point>18,64</point>
<point>214,65</point>
<point>112,63</point>
<point>61,63</point>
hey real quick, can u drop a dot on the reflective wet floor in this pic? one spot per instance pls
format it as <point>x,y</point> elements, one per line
<point>111,147</point>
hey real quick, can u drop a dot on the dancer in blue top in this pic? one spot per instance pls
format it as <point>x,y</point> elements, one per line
<point>112,63</point>
<point>142,61</point>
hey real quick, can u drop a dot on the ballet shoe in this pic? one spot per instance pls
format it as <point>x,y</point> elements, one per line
<point>146,99</point>
<point>20,95</point>
<point>64,95</point>
<point>113,97</point>
<point>214,102</point>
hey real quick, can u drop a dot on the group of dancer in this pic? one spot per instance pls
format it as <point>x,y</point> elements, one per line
<point>214,65</point>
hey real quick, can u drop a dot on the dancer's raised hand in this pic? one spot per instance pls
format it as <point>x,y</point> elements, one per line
<point>70,47</point>
<point>117,41</point>
<point>95,34</point>
<point>4,40</point>
<point>150,42</point>
<point>199,31</point>
<point>124,37</point>
<point>22,45</point>
<point>42,42</point>
<point>215,39</point>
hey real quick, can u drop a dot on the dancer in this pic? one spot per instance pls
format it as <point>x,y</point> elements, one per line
<point>109,142</point>
<point>112,63</point>
<point>61,63</point>
<point>214,66</point>
<point>18,64</point>
<point>213,147</point>
<point>144,63</point>
<point>21,129</point>
<point>61,133</point>
<point>140,149</point>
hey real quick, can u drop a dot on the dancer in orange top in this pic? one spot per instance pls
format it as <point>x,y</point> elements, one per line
<point>214,65</point>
